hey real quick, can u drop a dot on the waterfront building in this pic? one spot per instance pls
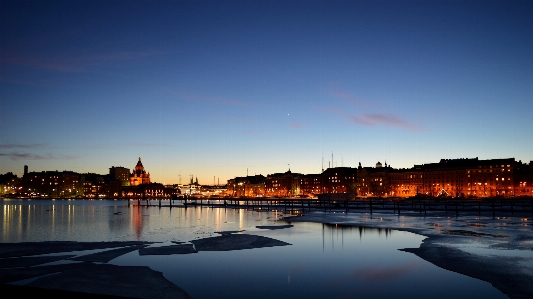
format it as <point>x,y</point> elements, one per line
<point>310,185</point>
<point>406,182</point>
<point>9,183</point>
<point>469,177</point>
<point>374,181</point>
<point>150,190</point>
<point>121,174</point>
<point>339,180</point>
<point>248,186</point>
<point>449,177</point>
<point>51,184</point>
<point>93,185</point>
<point>523,179</point>
<point>283,184</point>
<point>139,175</point>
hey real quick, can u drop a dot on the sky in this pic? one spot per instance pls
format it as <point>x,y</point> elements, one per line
<point>219,89</point>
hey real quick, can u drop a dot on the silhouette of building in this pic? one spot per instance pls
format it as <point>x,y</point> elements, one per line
<point>339,180</point>
<point>283,184</point>
<point>9,183</point>
<point>310,185</point>
<point>139,176</point>
<point>374,181</point>
<point>449,177</point>
<point>52,184</point>
<point>249,186</point>
<point>121,174</point>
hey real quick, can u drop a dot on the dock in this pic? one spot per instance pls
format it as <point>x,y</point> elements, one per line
<point>497,207</point>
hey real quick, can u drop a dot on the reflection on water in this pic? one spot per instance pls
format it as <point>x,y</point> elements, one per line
<point>90,220</point>
<point>306,260</point>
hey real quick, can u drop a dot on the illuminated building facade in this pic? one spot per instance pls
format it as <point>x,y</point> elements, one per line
<point>139,176</point>
<point>310,184</point>
<point>405,182</point>
<point>449,177</point>
<point>283,184</point>
<point>121,174</point>
<point>248,186</point>
<point>339,180</point>
<point>52,184</point>
<point>470,177</point>
<point>374,181</point>
<point>150,190</point>
<point>9,183</point>
<point>523,179</point>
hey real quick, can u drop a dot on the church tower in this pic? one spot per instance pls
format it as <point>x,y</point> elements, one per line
<point>139,175</point>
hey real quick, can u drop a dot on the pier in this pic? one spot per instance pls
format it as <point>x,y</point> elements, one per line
<point>496,207</point>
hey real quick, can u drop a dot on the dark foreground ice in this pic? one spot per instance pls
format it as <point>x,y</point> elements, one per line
<point>49,265</point>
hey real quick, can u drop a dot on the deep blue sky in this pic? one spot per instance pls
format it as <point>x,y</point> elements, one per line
<point>211,88</point>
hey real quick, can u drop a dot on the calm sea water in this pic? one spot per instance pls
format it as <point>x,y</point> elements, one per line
<point>321,261</point>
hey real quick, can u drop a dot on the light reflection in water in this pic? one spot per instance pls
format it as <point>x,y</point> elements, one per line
<point>322,261</point>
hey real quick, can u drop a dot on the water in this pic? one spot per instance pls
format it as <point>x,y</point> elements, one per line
<point>321,261</point>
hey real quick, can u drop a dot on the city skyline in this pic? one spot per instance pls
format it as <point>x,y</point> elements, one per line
<point>226,89</point>
<point>133,173</point>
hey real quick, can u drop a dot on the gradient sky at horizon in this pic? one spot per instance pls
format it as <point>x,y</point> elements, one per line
<point>213,88</point>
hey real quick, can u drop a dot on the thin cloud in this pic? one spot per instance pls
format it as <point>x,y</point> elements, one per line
<point>26,156</point>
<point>296,126</point>
<point>381,119</point>
<point>351,98</point>
<point>146,144</point>
<point>231,119</point>
<point>74,64</point>
<point>14,145</point>
<point>50,64</point>
<point>214,100</point>
<point>347,97</point>
<point>372,120</point>
<point>360,121</point>
<point>123,55</point>
<point>333,110</point>
<point>119,145</point>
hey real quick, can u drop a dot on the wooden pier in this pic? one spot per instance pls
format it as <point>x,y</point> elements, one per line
<point>495,207</point>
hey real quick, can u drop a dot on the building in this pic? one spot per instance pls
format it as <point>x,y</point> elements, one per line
<point>468,177</point>
<point>121,174</point>
<point>406,182</point>
<point>339,180</point>
<point>374,181</point>
<point>141,191</point>
<point>283,184</point>
<point>523,179</point>
<point>248,186</point>
<point>52,184</point>
<point>139,176</point>
<point>310,185</point>
<point>9,183</point>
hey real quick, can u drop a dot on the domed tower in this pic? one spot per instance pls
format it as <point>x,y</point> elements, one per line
<point>139,175</point>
